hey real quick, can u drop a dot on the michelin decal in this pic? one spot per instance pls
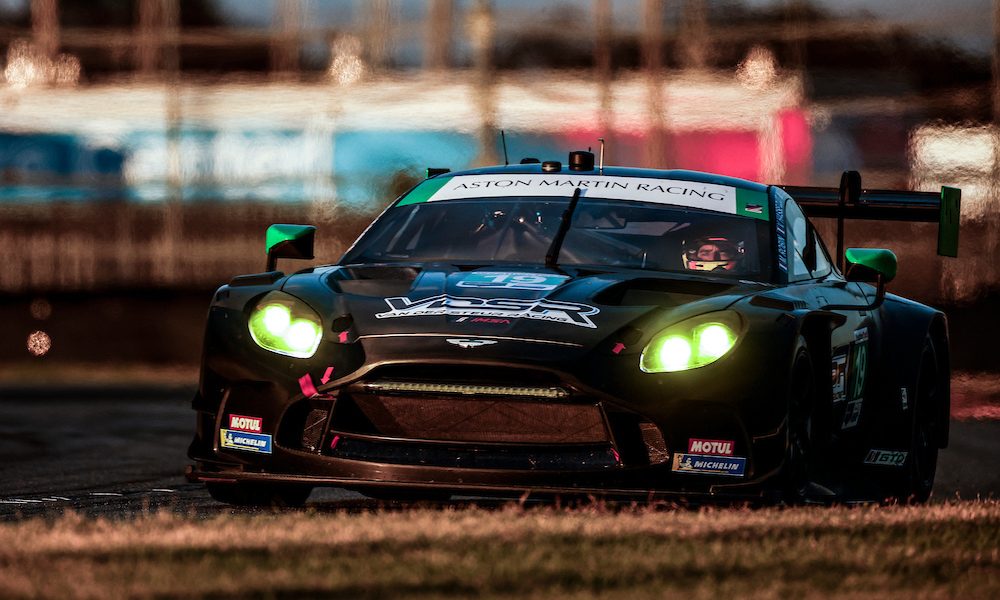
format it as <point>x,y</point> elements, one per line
<point>248,442</point>
<point>710,465</point>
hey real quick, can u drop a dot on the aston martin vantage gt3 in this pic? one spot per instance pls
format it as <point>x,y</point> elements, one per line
<point>581,329</point>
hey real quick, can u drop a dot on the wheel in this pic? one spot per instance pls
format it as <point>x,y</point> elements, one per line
<point>921,463</point>
<point>801,432</point>
<point>259,494</point>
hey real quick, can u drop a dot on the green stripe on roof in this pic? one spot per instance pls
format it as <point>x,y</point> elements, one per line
<point>751,203</point>
<point>424,191</point>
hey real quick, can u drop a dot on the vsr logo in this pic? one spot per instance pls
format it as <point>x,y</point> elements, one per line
<point>512,308</point>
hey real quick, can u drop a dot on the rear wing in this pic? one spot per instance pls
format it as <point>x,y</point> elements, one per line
<point>850,201</point>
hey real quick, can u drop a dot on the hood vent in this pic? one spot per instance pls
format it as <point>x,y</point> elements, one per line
<point>659,292</point>
<point>373,281</point>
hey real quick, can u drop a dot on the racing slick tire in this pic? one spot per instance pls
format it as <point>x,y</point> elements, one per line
<point>802,400</point>
<point>262,495</point>
<point>915,483</point>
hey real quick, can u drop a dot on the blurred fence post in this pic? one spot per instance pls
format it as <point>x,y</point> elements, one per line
<point>437,43</point>
<point>604,67</point>
<point>652,61</point>
<point>378,34</point>
<point>482,30</point>
<point>284,47</point>
<point>45,27</point>
<point>165,262</point>
<point>993,190</point>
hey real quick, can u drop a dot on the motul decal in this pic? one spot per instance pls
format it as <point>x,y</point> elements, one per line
<point>513,308</point>
<point>715,447</point>
<point>241,423</point>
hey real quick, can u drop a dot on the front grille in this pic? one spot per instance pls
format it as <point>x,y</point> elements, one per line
<point>528,458</point>
<point>464,419</point>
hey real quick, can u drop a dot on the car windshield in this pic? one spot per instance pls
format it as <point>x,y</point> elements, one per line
<point>616,233</point>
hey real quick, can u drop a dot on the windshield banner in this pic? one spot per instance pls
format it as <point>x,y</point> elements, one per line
<point>707,196</point>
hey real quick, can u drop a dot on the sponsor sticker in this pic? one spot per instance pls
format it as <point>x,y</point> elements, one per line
<point>711,465</point>
<point>693,194</point>
<point>512,308</point>
<point>779,234</point>
<point>512,281</point>
<point>886,458</point>
<point>750,203</point>
<point>839,372</point>
<point>716,447</point>
<point>248,442</point>
<point>852,414</point>
<point>242,423</point>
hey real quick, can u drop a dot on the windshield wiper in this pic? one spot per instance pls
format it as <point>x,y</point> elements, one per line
<point>552,256</point>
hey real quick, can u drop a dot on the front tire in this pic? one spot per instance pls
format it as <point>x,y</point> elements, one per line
<point>921,464</point>
<point>800,444</point>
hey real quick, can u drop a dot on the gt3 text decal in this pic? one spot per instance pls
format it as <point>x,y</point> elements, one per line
<point>512,281</point>
<point>241,423</point>
<point>248,442</point>
<point>711,465</point>
<point>717,447</point>
<point>886,458</point>
<point>513,308</point>
<point>709,196</point>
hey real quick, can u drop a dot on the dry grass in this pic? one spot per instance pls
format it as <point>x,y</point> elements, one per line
<point>941,551</point>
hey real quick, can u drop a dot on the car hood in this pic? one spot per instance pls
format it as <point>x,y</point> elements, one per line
<point>572,310</point>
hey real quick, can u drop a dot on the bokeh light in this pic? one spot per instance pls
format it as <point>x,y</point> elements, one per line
<point>40,309</point>
<point>39,343</point>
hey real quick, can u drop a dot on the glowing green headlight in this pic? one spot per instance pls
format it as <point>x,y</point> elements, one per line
<point>693,343</point>
<point>284,324</point>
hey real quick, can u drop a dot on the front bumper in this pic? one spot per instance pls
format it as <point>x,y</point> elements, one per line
<point>586,442</point>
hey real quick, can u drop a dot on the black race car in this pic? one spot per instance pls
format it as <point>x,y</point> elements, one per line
<point>582,330</point>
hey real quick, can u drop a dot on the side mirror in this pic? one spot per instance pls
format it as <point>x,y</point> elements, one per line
<point>869,265</point>
<point>289,241</point>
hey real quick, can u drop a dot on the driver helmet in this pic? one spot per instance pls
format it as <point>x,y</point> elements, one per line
<point>713,253</point>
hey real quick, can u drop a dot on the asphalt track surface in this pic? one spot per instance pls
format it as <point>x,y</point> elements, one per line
<point>119,453</point>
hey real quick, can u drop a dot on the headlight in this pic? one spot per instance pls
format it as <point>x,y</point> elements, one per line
<point>284,324</point>
<point>692,343</point>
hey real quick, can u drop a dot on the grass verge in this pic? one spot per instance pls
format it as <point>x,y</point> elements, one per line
<point>942,551</point>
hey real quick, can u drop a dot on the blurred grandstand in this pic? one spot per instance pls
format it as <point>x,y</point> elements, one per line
<point>149,143</point>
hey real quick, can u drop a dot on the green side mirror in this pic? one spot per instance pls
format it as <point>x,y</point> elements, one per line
<point>289,241</point>
<point>867,264</point>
